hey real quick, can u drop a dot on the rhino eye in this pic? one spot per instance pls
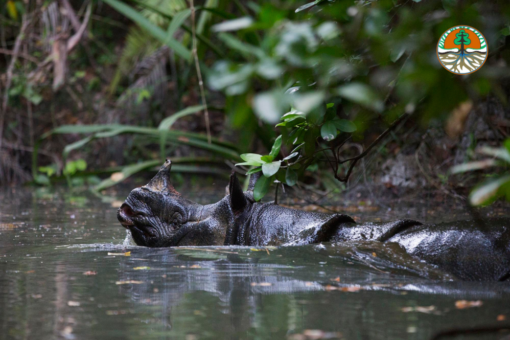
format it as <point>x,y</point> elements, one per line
<point>176,218</point>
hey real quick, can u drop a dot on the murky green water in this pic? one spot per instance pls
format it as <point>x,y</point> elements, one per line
<point>66,271</point>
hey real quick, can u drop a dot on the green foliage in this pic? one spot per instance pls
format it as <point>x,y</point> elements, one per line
<point>498,183</point>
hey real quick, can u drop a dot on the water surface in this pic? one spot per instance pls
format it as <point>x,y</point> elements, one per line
<point>66,271</point>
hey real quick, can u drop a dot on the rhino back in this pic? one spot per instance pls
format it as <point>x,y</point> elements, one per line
<point>271,224</point>
<point>465,248</point>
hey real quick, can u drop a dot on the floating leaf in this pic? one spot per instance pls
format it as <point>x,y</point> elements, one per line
<point>463,304</point>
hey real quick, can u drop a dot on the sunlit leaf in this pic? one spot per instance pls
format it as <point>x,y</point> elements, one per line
<point>252,159</point>
<point>472,166</point>
<point>269,169</point>
<point>501,153</point>
<point>292,155</point>
<point>306,102</point>
<point>488,191</point>
<point>268,107</point>
<point>233,25</point>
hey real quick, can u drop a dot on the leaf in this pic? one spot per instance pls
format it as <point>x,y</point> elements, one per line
<point>126,172</point>
<point>292,155</point>
<point>167,123</point>
<point>269,169</point>
<point>252,158</point>
<point>345,125</point>
<point>500,153</point>
<point>275,150</point>
<point>291,177</point>
<point>254,170</point>
<point>472,166</point>
<point>177,21</point>
<point>233,25</point>
<point>306,102</point>
<point>328,131</point>
<point>305,6</point>
<point>488,191</point>
<point>267,158</point>
<point>157,32</point>
<point>261,188</point>
<point>361,94</point>
<point>246,49</point>
<point>268,107</point>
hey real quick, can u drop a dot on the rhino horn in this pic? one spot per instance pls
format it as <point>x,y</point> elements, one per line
<point>161,182</point>
<point>237,199</point>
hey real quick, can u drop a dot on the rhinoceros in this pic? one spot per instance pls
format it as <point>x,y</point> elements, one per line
<point>158,216</point>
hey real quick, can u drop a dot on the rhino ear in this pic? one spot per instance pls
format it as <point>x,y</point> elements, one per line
<point>237,199</point>
<point>161,182</point>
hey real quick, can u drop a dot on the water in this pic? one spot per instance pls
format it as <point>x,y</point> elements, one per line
<point>67,272</point>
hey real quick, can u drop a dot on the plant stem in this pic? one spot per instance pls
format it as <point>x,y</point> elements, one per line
<point>199,73</point>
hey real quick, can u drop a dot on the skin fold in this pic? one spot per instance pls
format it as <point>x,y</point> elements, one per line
<point>158,216</point>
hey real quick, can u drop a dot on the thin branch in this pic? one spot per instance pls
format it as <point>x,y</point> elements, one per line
<point>199,72</point>
<point>22,55</point>
<point>354,160</point>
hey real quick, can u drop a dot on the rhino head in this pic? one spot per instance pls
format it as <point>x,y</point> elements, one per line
<point>158,216</point>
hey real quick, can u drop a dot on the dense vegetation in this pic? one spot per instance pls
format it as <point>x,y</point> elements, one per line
<point>305,88</point>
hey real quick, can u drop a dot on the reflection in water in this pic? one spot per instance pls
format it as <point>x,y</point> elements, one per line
<point>66,272</point>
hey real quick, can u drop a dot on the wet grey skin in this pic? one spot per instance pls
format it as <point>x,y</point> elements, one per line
<point>158,216</point>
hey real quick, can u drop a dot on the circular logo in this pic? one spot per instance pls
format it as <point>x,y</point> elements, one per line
<point>462,50</point>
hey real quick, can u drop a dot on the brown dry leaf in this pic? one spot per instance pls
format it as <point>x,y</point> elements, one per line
<point>117,176</point>
<point>262,284</point>
<point>501,317</point>
<point>141,268</point>
<point>8,226</point>
<point>90,273</point>
<point>374,254</point>
<point>350,289</point>
<point>134,282</point>
<point>195,266</point>
<point>183,139</point>
<point>463,304</point>
<point>455,123</point>
<point>337,279</point>
<point>128,253</point>
<point>30,272</point>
